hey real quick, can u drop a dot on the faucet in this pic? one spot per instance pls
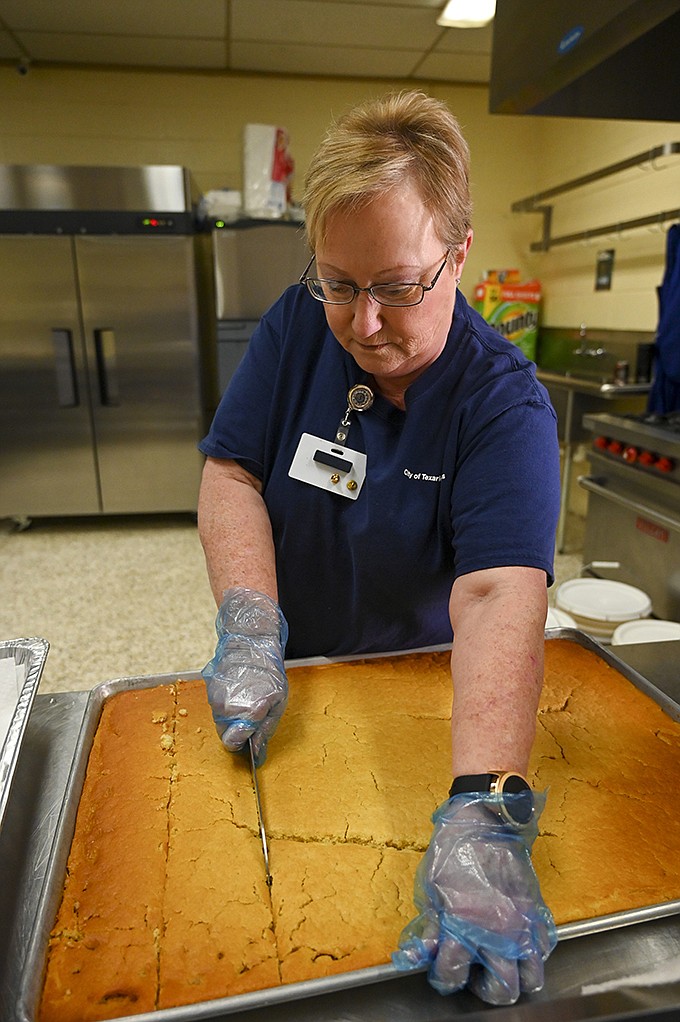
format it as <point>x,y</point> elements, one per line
<point>585,349</point>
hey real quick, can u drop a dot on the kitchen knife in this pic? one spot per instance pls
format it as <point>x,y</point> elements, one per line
<point>260,819</point>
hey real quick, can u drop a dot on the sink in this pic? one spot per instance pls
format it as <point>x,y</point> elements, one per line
<point>584,382</point>
<point>596,375</point>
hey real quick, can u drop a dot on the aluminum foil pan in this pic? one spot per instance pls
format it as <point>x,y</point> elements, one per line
<point>31,653</point>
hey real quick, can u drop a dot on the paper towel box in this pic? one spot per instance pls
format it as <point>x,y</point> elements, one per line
<point>511,307</point>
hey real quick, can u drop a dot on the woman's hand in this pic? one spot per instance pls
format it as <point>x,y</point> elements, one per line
<point>483,922</point>
<point>246,679</point>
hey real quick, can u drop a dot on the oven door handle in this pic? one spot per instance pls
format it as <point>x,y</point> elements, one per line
<point>594,486</point>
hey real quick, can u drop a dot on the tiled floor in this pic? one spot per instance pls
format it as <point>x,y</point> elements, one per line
<point>123,597</point>
<point>115,597</point>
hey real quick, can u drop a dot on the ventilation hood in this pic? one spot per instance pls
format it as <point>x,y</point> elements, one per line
<point>579,58</point>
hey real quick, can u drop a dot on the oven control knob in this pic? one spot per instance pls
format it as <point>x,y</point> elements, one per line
<point>647,458</point>
<point>615,447</point>
<point>665,465</point>
<point>630,454</point>
<point>601,442</point>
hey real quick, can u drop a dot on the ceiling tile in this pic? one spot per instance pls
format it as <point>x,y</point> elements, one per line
<point>333,24</point>
<point>8,48</point>
<point>118,17</point>
<point>455,67</point>
<point>345,61</point>
<point>435,5</point>
<point>461,40</point>
<point>126,50</point>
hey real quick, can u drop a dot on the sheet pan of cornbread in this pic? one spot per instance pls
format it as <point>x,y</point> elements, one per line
<point>155,901</point>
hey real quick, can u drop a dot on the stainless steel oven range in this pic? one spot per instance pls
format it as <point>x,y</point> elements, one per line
<point>634,504</point>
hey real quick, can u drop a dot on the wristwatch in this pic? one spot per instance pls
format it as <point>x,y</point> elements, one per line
<point>517,810</point>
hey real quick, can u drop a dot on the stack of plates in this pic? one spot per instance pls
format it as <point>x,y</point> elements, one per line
<point>599,606</point>
<point>646,630</point>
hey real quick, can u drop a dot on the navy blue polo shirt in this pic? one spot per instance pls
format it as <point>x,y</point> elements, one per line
<point>465,478</point>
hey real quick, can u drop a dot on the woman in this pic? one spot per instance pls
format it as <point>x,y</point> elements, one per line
<point>422,506</point>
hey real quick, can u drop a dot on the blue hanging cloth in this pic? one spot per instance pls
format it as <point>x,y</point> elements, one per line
<point>664,395</point>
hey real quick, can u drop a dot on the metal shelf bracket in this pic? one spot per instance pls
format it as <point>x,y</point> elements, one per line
<point>537,204</point>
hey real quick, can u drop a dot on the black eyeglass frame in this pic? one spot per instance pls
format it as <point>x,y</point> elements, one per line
<point>308,281</point>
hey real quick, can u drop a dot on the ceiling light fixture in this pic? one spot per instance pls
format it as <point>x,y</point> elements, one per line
<point>467,13</point>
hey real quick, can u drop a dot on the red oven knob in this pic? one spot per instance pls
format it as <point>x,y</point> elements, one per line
<point>647,458</point>
<point>615,447</point>
<point>601,442</point>
<point>665,465</point>
<point>630,454</point>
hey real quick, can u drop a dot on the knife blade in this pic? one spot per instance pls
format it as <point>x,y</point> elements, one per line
<point>260,818</point>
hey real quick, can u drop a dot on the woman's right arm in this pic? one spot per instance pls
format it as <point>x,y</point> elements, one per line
<point>235,531</point>
<point>246,680</point>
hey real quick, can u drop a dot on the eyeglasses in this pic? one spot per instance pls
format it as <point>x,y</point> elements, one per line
<point>339,292</point>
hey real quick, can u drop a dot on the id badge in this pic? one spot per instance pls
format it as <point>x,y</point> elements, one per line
<point>326,465</point>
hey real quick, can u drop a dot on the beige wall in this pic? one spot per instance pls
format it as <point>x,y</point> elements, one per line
<point>569,149</point>
<point>196,120</point>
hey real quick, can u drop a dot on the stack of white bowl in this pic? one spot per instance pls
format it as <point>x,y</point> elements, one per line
<point>599,605</point>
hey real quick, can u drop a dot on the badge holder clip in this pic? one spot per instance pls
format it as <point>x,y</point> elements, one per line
<point>330,465</point>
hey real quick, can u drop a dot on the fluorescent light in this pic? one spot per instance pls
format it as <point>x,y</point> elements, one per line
<point>467,13</point>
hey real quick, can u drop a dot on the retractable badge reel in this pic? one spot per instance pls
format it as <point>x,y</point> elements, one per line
<point>330,464</point>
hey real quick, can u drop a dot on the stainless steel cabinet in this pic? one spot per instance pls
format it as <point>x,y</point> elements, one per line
<point>254,264</point>
<point>101,402</point>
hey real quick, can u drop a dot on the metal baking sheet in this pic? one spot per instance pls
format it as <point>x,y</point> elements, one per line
<point>606,653</point>
<point>31,653</point>
<point>32,979</point>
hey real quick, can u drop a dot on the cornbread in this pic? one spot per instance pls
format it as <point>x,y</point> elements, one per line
<point>338,908</point>
<point>104,947</point>
<point>165,901</point>
<point>610,758</point>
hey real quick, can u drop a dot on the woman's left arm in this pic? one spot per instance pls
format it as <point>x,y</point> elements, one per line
<point>482,920</point>
<point>498,619</point>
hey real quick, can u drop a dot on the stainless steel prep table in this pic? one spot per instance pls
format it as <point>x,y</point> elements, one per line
<point>592,960</point>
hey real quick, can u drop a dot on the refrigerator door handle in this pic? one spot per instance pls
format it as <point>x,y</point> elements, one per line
<point>65,368</point>
<point>107,370</point>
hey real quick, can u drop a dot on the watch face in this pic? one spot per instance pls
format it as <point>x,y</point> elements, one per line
<point>519,806</point>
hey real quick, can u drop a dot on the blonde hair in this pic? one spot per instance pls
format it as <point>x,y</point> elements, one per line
<point>379,144</point>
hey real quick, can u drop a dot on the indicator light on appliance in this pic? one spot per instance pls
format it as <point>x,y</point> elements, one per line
<point>219,223</point>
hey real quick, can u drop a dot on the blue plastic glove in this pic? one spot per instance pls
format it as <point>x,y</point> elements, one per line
<point>482,922</point>
<point>246,679</point>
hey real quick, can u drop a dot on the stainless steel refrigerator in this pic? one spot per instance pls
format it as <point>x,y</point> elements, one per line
<point>107,341</point>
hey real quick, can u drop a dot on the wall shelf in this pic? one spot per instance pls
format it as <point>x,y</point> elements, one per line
<point>537,203</point>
